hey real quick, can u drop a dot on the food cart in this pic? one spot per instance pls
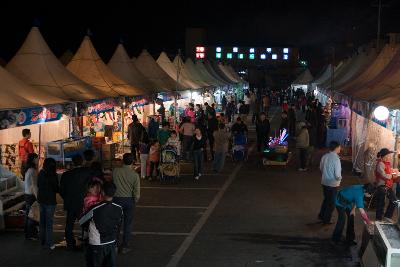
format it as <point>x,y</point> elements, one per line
<point>277,152</point>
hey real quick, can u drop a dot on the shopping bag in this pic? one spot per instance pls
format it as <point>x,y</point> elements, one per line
<point>34,212</point>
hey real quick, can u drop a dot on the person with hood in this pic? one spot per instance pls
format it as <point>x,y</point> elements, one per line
<point>262,128</point>
<point>384,175</point>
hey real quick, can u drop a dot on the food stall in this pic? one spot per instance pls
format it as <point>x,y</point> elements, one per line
<point>277,151</point>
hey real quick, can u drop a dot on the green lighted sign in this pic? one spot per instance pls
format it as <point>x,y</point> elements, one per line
<point>251,56</point>
<point>240,56</point>
<point>229,55</point>
<point>218,55</point>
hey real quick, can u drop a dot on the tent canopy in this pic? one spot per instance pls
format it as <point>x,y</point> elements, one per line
<point>304,78</point>
<point>88,66</point>
<point>194,73</point>
<point>152,71</point>
<point>37,66</point>
<point>123,67</point>
<point>179,63</point>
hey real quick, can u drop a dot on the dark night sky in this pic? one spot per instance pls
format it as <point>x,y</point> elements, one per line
<point>311,25</point>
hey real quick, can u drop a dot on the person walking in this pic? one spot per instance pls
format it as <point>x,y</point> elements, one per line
<point>31,190</point>
<point>73,185</point>
<point>384,175</point>
<point>103,221</point>
<point>230,110</point>
<point>284,121</point>
<point>263,129</point>
<point>266,104</point>
<point>153,128</point>
<point>331,169</point>
<point>47,190</point>
<point>292,120</point>
<point>212,126</point>
<point>187,130</point>
<point>302,144</point>
<point>221,142</point>
<point>127,194</point>
<point>347,200</point>
<point>25,147</point>
<point>199,142</point>
<point>135,134</point>
<point>144,148</point>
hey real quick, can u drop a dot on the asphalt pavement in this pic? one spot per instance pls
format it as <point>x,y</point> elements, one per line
<point>248,215</point>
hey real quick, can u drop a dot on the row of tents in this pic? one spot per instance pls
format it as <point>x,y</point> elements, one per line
<point>357,86</point>
<point>36,77</point>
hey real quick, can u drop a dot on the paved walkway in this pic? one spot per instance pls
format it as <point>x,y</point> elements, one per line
<point>248,215</point>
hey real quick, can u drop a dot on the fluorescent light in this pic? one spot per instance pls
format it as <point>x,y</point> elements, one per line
<point>235,50</point>
<point>252,50</point>
<point>218,49</point>
<point>285,57</point>
<point>218,55</point>
<point>286,50</point>
<point>263,56</point>
<point>251,56</point>
<point>269,50</point>
<point>274,56</point>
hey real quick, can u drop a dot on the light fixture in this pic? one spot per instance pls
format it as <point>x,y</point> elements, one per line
<point>286,50</point>
<point>251,56</point>
<point>240,56</point>
<point>285,57</point>
<point>269,50</point>
<point>218,49</point>
<point>263,56</point>
<point>381,113</point>
<point>218,55</point>
<point>235,50</point>
<point>229,56</point>
<point>274,56</point>
<point>252,50</point>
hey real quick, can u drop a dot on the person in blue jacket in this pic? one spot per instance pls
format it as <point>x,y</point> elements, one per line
<point>347,200</point>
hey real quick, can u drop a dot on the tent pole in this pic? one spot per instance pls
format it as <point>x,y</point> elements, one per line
<point>40,139</point>
<point>396,141</point>
<point>123,126</point>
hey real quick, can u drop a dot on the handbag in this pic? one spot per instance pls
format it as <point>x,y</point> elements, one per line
<point>34,212</point>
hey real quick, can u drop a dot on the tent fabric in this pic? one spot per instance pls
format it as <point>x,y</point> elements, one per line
<point>211,70</point>
<point>234,73</point>
<point>220,73</point>
<point>17,94</point>
<point>121,65</point>
<point>37,66</point>
<point>179,63</point>
<point>88,66</point>
<point>227,73</point>
<point>152,71</point>
<point>304,78</point>
<point>206,75</point>
<point>169,68</point>
<point>66,57</point>
<point>192,70</point>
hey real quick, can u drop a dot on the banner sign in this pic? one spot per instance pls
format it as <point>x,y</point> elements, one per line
<point>96,106</point>
<point>28,116</point>
<point>138,101</point>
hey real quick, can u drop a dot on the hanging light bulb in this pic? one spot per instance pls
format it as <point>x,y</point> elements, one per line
<point>381,113</point>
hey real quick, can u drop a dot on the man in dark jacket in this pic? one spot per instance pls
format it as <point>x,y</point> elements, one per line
<point>262,129</point>
<point>284,121</point>
<point>292,120</point>
<point>153,129</point>
<point>73,187</point>
<point>230,110</point>
<point>239,127</point>
<point>135,134</point>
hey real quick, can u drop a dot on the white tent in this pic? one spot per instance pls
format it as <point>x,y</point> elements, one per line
<point>303,80</point>
<point>88,66</point>
<point>37,66</point>
<point>166,64</point>
<point>179,63</point>
<point>211,70</point>
<point>152,71</point>
<point>194,73</point>
<point>227,73</point>
<point>123,67</point>
<point>206,75</point>
<point>17,94</point>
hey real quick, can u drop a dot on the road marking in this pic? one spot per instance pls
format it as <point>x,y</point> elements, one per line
<point>181,188</point>
<point>203,219</point>
<point>134,233</point>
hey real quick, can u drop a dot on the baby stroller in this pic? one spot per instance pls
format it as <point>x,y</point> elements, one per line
<point>169,166</point>
<point>239,147</point>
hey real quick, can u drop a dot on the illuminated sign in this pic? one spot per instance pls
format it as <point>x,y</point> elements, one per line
<point>229,55</point>
<point>200,55</point>
<point>218,49</point>
<point>252,50</point>
<point>251,56</point>
<point>274,56</point>
<point>269,50</point>
<point>200,49</point>
<point>285,57</point>
<point>240,56</point>
<point>263,56</point>
<point>218,55</point>
<point>286,50</point>
<point>235,50</point>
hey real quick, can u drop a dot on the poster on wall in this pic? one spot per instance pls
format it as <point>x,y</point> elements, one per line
<point>29,116</point>
<point>96,106</point>
<point>138,101</point>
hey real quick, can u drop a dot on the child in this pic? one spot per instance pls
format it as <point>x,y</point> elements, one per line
<point>93,195</point>
<point>144,155</point>
<point>154,158</point>
<point>174,142</point>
